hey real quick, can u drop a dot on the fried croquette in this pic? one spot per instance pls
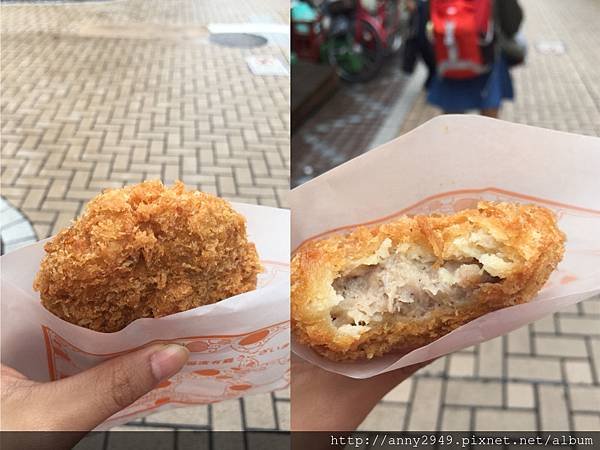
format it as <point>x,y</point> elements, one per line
<point>146,251</point>
<point>403,284</point>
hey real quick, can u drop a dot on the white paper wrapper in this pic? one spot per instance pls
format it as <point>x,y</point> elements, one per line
<point>239,346</point>
<point>447,165</point>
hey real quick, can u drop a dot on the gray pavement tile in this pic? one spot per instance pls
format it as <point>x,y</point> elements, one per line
<point>504,420</point>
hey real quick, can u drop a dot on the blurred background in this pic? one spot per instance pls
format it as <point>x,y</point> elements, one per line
<point>334,120</point>
<point>352,91</point>
<point>106,93</point>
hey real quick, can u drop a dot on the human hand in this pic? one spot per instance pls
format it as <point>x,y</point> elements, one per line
<point>83,401</point>
<point>326,401</point>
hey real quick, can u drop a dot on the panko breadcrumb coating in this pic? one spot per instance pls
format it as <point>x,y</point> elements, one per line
<point>403,284</point>
<point>146,251</point>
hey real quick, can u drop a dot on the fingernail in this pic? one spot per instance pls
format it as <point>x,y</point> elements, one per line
<point>167,361</point>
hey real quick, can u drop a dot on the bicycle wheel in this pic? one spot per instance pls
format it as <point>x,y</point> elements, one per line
<point>392,21</point>
<point>356,57</point>
<point>397,22</point>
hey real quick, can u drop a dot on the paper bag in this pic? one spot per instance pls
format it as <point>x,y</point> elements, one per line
<point>238,346</point>
<point>447,165</point>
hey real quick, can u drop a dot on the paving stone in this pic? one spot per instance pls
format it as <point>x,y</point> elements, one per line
<point>43,217</point>
<point>259,411</point>
<point>595,358</point>
<point>456,419</point>
<point>519,340</point>
<point>283,415</point>
<point>476,393</point>
<point>585,398</point>
<point>560,346</point>
<point>42,230</point>
<point>524,368</point>
<point>545,324</point>
<point>227,416</point>
<point>62,205</point>
<point>34,198</point>
<point>553,408</point>
<point>591,306</point>
<point>578,371</point>
<point>504,420</point>
<point>461,365</point>
<point>520,395</point>
<point>57,189</point>
<point>569,310</point>
<point>586,422</point>
<point>490,358</point>
<point>580,325</point>
<point>194,415</point>
<point>426,404</point>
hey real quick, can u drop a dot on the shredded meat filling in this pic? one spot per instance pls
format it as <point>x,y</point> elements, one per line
<point>409,286</point>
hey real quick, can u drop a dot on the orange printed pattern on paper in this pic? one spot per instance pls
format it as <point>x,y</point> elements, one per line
<point>453,201</point>
<point>272,271</point>
<point>219,368</point>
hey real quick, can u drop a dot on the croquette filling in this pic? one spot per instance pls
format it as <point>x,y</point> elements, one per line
<point>408,283</point>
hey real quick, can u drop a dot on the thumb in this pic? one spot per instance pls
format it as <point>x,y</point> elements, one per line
<point>85,400</point>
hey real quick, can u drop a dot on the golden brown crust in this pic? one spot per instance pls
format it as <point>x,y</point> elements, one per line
<point>527,234</point>
<point>146,251</point>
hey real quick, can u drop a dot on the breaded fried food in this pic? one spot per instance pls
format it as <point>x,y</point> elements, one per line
<point>403,284</point>
<point>146,251</point>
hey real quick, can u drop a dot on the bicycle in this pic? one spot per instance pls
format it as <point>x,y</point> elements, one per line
<point>361,37</point>
<point>353,36</point>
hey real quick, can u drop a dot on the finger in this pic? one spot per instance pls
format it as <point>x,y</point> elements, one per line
<point>83,401</point>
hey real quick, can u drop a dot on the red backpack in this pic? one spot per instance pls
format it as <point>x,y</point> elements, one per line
<point>463,37</point>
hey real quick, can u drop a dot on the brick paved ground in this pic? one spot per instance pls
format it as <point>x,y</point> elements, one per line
<point>343,127</point>
<point>102,94</point>
<point>542,377</point>
<point>545,376</point>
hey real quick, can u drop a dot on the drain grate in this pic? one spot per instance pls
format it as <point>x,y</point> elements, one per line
<point>238,40</point>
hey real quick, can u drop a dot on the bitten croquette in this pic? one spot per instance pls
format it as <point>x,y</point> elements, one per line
<point>403,284</point>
